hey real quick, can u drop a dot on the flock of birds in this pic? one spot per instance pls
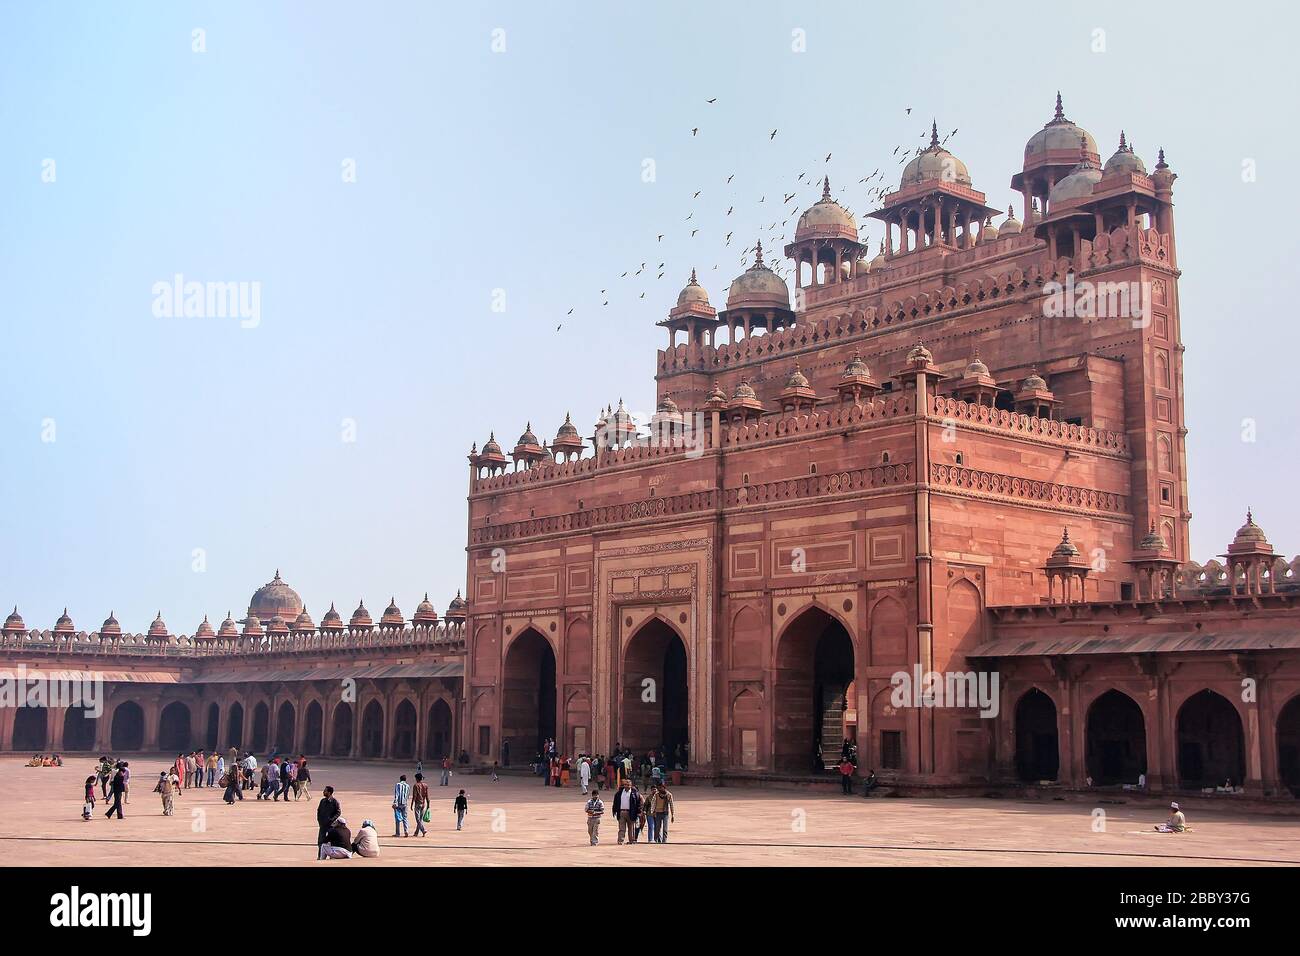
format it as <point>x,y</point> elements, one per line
<point>773,234</point>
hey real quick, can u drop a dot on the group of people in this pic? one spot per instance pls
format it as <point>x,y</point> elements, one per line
<point>112,777</point>
<point>848,766</point>
<point>278,776</point>
<point>557,770</point>
<point>335,841</point>
<point>634,812</point>
<point>45,760</point>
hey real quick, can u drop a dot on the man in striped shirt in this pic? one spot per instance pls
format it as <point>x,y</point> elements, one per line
<point>401,796</point>
<point>595,810</point>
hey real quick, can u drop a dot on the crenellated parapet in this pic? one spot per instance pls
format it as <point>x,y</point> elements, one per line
<point>1121,246</point>
<point>1102,440</point>
<point>443,636</point>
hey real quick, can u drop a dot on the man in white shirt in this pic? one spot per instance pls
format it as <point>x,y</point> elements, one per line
<point>401,797</point>
<point>584,773</point>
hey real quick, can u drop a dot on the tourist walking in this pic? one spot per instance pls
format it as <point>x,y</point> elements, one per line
<point>661,812</point>
<point>627,808</point>
<point>584,774</point>
<point>302,786</point>
<point>118,789</point>
<point>595,810</point>
<point>461,806</point>
<point>88,803</point>
<point>105,774</point>
<point>164,787</point>
<point>233,783</point>
<point>420,804</point>
<point>401,796</point>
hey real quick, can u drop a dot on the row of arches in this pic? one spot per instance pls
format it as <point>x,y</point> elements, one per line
<point>1210,747</point>
<point>127,730</point>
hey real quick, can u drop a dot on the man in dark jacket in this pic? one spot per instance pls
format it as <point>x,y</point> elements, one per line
<point>118,788</point>
<point>327,811</point>
<point>627,808</point>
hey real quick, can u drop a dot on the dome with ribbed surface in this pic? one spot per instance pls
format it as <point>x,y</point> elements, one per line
<point>64,624</point>
<point>976,367</point>
<point>424,611</point>
<point>252,626</point>
<point>361,617</point>
<point>1034,383</point>
<point>228,628</point>
<point>158,630</point>
<point>110,627</point>
<point>204,631</point>
<point>332,621</point>
<point>935,164</point>
<point>826,219</point>
<point>1010,226</point>
<point>758,287</point>
<point>14,622</point>
<point>692,294</point>
<point>743,391</point>
<point>1066,548</point>
<point>1153,540</point>
<point>1249,537</point>
<point>1059,135</point>
<point>303,622</point>
<point>457,608</point>
<point>275,598</point>
<point>1124,160</point>
<point>1078,185</point>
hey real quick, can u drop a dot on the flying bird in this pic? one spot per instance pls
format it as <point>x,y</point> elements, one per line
<point>697,194</point>
<point>729,208</point>
<point>731,177</point>
<point>694,131</point>
<point>714,100</point>
<point>693,232</point>
<point>828,157</point>
<point>909,111</point>
<point>773,135</point>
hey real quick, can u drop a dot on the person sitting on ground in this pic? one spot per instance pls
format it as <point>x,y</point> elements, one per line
<point>338,842</point>
<point>870,783</point>
<point>464,757</point>
<point>367,841</point>
<point>1177,823</point>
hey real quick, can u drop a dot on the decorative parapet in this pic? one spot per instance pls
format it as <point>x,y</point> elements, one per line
<point>1043,429</point>
<point>579,521</point>
<point>1211,578</point>
<point>985,484</point>
<point>816,486</point>
<point>1119,247</point>
<point>443,636</point>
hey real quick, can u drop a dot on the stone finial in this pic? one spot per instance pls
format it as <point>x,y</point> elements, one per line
<point>758,253</point>
<point>826,188</point>
<point>1060,111</point>
<point>934,134</point>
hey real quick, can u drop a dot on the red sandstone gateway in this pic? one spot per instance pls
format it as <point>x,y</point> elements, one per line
<point>925,465</point>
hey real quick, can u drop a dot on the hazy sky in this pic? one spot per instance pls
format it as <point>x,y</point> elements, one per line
<point>128,440</point>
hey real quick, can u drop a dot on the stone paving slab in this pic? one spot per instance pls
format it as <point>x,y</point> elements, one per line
<point>518,822</point>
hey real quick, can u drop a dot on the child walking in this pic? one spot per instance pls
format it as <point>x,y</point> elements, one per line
<point>88,805</point>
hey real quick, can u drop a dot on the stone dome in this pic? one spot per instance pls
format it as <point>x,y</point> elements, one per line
<point>1034,382</point>
<point>1066,548</point>
<point>935,164</point>
<point>692,294</point>
<point>919,354</point>
<point>1124,160</point>
<point>797,379</point>
<point>332,621</point>
<point>879,260</point>
<point>527,438</point>
<point>856,368</point>
<point>1153,540</point>
<point>1250,537</point>
<point>228,629</point>
<point>303,622</point>
<point>277,625</point>
<point>976,367</point>
<point>491,447</point>
<point>716,396</point>
<point>743,391</point>
<point>204,631</point>
<point>1059,135</point>
<point>1011,225</point>
<point>568,429</point>
<point>758,287</point>
<point>826,219</point>
<point>424,612</point>
<point>392,615</point>
<point>14,622</point>
<point>275,599</point>
<point>1077,185</point>
<point>252,626</point>
<point>667,406</point>
<point>361,617</point>
<point>457,608</point>
<point>158,630</point>
<point>990,232</point>
<point>110,627</point>
<point>64,624</point>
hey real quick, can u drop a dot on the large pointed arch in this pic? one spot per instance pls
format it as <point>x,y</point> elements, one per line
<point>1115,742</point>
<point>815,664</point>
<point>1211,743</point>
<point>655,705</point>
<point>528,694</point>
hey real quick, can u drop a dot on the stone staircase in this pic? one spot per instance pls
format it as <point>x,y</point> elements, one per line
<point>832,729</point>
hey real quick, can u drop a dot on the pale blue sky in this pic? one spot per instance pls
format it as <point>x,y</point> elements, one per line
<point>519,171</point>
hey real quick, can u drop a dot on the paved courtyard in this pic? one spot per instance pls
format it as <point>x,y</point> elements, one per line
<point>518,822</point>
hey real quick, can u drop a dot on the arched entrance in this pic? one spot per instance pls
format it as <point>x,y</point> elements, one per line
<point>814,667</point>
<point>528,695</point>
<point>1038,751</point>
<point>1288,746</point>
<point>210,740</point>
<point>79,729</point>
<point>404,719</point>
<point>284,727</point>
<point>235,726</point>
<point>1116,746</point>
<point>437,743</point>
<point>1211,746</point>
<point>655,711</point>
<point>313,735</point>
<point>31,729</point>
<point>261,719</point>
<point>127,730</point>
<point>372,730</point>
<point>341,734</point>
<point>174,728</point>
